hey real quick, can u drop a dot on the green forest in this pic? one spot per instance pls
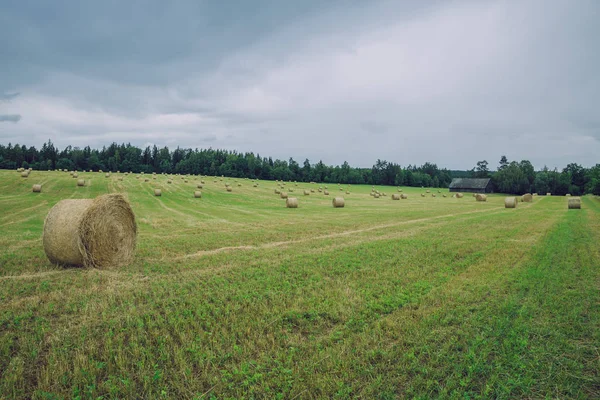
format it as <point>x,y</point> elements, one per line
<point>509,177</point>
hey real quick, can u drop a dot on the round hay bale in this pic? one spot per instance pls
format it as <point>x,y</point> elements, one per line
<point>338,202</point>
<point>347,192</point>
<point>157,192</point>
<point>427,191</point>
<point>306,193</point>
<point>422,194</point>
<point>395,196</point>
<point>291,202</point>
<point>146,180</point>
<point>75,176</point>
<point>80,182</point>
<point>474,194</point>
<point>107,175</point>
<point>432,194</point>
<point>121,178</point>
<point>24,174</point>
<point>480,197</point>
<point>283,195</point>
<point>200,186</point>
<point>376,195</point>
<point>240,185</point>
<point>341,189</point>
<point>312,190</point>
<point>169,181</point>
<point>404,196</point>
<point>574,203</point>
<point>510,202</point>
<point>372,194</point>
<point>277,191</point>
<point>37,188</point>
<point>326,193</point>
<point>202,182</point>
<point>444,195</point>
<point>291,190</point>
<point>98,232</point>
<point>400,190</point>
<point>568,195</point>
<point>229,189</point>
<point>197,194</point>
<point>439,191</point>
<point>548,194</point>
<point>320,190</point>
<point>459,195</point>
<point>527,198</point>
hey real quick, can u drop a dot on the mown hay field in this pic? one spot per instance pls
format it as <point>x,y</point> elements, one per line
<point>233,295</point>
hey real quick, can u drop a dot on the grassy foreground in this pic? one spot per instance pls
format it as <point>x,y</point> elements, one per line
<point>235,296</point>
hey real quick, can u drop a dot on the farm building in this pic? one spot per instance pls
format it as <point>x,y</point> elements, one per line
<point>472,185</point>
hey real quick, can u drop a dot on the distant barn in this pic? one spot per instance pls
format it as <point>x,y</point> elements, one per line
<point>472,185</point>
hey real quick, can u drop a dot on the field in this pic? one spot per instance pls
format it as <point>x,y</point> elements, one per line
<point>235,296</point>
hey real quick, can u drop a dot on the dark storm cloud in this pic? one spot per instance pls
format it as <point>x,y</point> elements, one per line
<point>450,82</point>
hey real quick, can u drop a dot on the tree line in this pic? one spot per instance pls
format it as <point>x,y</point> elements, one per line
<point>510,177</point>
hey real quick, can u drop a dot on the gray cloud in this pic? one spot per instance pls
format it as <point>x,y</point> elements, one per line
<point>414,81</point>
<point>10,118</point>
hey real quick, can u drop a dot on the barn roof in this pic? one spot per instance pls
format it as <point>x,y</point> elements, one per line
<point>469,183</point>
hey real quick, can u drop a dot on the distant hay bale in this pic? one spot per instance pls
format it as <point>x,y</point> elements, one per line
<point>98,232</point>
<point>197,194</point>
<point>169,181</point>
<point>306,193</point>
<point>459,195</point>
<point>312,190</point>
<point>568,194</point>
<point>202,182</point>
<point>100,171</point>
<point>146,180</point>
<point>548,194</point>
<point>291,190</point>
<point>277,191</point>
<point>481,197</point>
<point>326,193</point>
<point>427,191</point>
<point>372,194</point>
<point>574,203</point>
<point>107,175</point>
<point>395,196</point>
<point>376,195</point>
<point>510,202</point>
<point>535,194</point>
<point>37,188</point>
<point>404,196</point>
<point>199,186</point>
<point>80,182</point>
<point>444,195</point>
<point>283,195</point>
<point>338,202</point>
<point>439,191</point>
<point>341,189</point>
<point>240,185</point>
<point>24,174</point>
<point>291,202</point>
<point>432,194</point>
<point>320,190</point>
<point>75,176</point>
<point>422,194</point>
<point>229,189</point>
<point>185,181</point>
<point>347,192</point>
<point>527,198</point>
<point>157,192</point>
<point>400,190</point>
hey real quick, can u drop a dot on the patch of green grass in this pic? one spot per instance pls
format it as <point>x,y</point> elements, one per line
<point>235,296</point>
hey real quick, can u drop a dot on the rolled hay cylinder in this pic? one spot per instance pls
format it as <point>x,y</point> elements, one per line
<point>185,181</point>
<point>395,196</point>
<point>422,194</point>
<point>312,190</point>
<point>291,190</point>
<point>527,198</point>
<point>240,185</point>
<point>400,190</point>
<point>320,190</point>
<point>480,197</point>
<point>98,232</point>
<point>548,194</point>
<point>157,192</point>
<point>510,202</point>
<point>200,186</point>
<point>24,174</point>
<point>347,192</point>
<point>107,175</point>
<point>432,194</point>
<point>341,189</point>
<point>37,188</point>
<point>120,178</point>
<point>427,191</point>
<point>169,181</point>
<point>338,202</point>
<point>146,180</point>
<point>372,194</point>
<point>404,196</point>
<point>229,189</point>
<point>197,194</point>
<point>444,195</point>
<point>202,182</point>
<point>568,195</point>
<point>80,182</point>
<point>439,191</point>
<point>277,191</point>
<point>326,193</point>
<point>459,195</point>
<point>75,176</point>
<point>291,202</point>
<point>283,195</point>
<point>376,195</point>
<point>574,203</point>
<point>306,193</point>
<point>474,194</point>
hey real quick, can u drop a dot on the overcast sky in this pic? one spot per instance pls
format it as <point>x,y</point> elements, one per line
<point>451,82</point>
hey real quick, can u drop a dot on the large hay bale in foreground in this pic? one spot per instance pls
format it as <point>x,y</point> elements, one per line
<point>395,196</point>
<point>37,188</point>
<point>98,232</point>
<point>480,197</point>
<point>197,194</point>
<point>338,202</point>
<point>527,198</point>
<point>80,182</point>
<point>157,192</point>
<point>291,202</point>
<point>510,202</point>
<point>574,203</point>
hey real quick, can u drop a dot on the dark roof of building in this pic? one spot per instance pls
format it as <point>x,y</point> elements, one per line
<point>469,183</point>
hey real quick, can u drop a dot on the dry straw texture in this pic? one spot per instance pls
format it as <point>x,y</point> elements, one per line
<point>527,198</point>
<point>574,203</point>
<point>81,182</point>
<point>326,193</point>
<point>548,194</point>
<point>283,195</point>
<point>510,202</point>
<point>199,186</point>
<point>229,189</point>
<point>338,202</point>
<point>291,202</point>
<point>459,195</point>
<point>24,174</point>
<point>306,193</point>
<point>404,196</point>
<point>97,232</point>
<point>37,188</point>
<point>376,195</point>
<point>197,194</point>
<point>157,192</point>
<point>480,197</point>
<point>395,196</point>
